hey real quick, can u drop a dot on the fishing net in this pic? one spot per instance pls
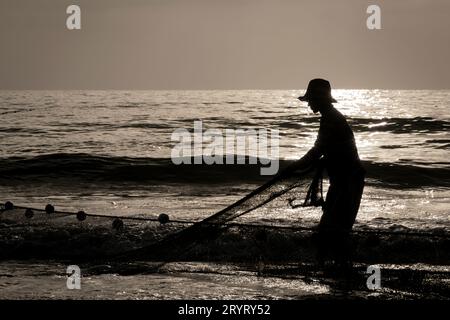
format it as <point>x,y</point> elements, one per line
<point>292,187</point>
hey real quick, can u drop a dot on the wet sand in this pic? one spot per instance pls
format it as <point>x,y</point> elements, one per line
<point>197,280</point>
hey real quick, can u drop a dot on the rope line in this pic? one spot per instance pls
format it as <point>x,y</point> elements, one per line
<point>233,224</point>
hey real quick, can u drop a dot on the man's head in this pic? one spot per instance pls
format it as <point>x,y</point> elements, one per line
<point>318,95</point>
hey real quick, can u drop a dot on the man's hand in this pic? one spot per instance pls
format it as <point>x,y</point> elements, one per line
<point>289,170</point>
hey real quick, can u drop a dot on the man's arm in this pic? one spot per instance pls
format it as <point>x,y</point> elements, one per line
<point>304,162</point>
<point>312,155</point>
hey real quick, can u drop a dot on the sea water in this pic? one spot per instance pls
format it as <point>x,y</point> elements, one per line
<point>108,152</point>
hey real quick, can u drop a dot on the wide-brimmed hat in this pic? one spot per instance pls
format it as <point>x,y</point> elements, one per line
<point>318,89</point>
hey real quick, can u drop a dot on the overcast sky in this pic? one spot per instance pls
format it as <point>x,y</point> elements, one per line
<point>226,44</point>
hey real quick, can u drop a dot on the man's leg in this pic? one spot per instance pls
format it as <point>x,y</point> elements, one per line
<point>327,225</point>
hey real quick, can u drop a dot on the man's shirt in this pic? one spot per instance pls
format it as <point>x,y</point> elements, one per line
<point>336,143</point>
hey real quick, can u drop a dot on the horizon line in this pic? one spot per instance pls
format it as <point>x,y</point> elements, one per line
<point>216,89</point>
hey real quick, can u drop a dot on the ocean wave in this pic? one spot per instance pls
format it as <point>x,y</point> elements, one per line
<point>104,169</point>
<point>393,125</point>
<point>293,124</point>
<point>401,125</point>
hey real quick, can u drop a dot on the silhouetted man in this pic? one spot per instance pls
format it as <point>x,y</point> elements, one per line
<point>336,145</point>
